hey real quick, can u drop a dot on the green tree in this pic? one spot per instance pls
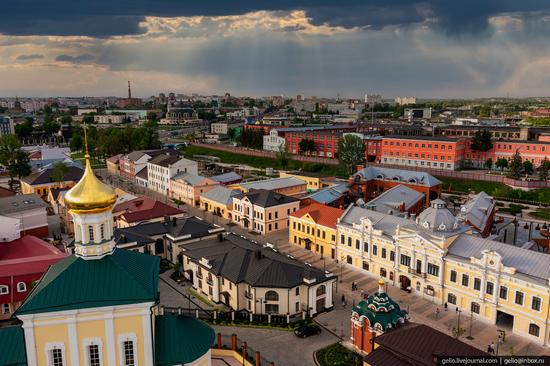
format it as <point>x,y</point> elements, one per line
<point>489,163</point>
<point>13,158</point>
<point>283,156</point>
<point>544,169</point>
<point>516,166</point>
<point>501,163</point>
<point>24,129</point>
<point>481,142</point>
<point>351,151</point>
<point>59,171</point>
<point>51,127</point>
<point>528,167</point>
<point>66,119</point>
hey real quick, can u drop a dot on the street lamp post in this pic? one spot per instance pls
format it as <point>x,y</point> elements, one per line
<point>458,311</point>
<point>471,322</point>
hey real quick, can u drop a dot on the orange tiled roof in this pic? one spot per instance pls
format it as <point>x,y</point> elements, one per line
<point>321,214</point>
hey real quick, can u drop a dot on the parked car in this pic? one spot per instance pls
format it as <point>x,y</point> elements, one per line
<point>305,331</point>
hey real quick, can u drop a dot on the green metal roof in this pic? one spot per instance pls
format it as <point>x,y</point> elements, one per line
<point>380,309</point>
<point>12,346</point>
<point>124,277</point>
<point>180,339</point>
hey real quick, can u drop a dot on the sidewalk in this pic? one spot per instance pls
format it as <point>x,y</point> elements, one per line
<point>421,310</point>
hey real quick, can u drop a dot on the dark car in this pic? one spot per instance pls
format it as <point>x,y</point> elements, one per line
<point>305,331</point>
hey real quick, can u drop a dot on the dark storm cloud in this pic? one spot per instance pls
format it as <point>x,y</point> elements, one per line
<point>75,59</point>
<point>102,18</point>
<point>29,57</point>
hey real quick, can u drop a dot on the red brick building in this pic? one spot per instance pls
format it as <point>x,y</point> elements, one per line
<point>22,261</point>
<point>325,139</point>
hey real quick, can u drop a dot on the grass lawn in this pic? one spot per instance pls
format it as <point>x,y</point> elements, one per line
<point>337,355</point>
<point>261,162</point>
<point>496,189</point>
<point>542,214</point>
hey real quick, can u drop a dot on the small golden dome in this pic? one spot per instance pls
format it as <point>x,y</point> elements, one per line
<point>90,195</point>
<point>381,282</point>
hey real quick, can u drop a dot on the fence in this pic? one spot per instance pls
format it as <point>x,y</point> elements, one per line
<point>237,317</point>
<point>242,348</point>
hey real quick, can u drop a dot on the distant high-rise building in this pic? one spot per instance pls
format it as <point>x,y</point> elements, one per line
<point>405,100</point>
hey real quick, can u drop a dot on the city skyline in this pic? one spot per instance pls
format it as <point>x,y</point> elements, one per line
<point>428,49</point>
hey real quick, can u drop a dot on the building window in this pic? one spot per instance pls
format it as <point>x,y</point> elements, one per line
<point>5,308</point>
<point>465,280</point>
<point>405,260</point>
<point>503,292</point>
<point>477,284</point>
<point>342,240</point>
<point>102,231</point>
<point>519,298</point>
<point>321,290</point>
<point>384,253</point>
<point>475,308</point>
<point>129,356</point>
<point>374,250</point>
<point>21,287</point>
<point>392,256</point>
<point>365,266</point>
<point>4,290</point>
<point>357,244</point>
<point>349,241</point>
<point>297,306</point>
<point>451,298</point>
<point>91,232</point>
<point>383,272</point>
<point>56,357</point>
<point>489,288</point>
<point>271,296</point>
<point>433,269</point>
<point>534,330</point>
<point>453,276</point>
<point>272,308</point>
<point>94,358</point>
<point>297,291</point>
<point>535,303</point>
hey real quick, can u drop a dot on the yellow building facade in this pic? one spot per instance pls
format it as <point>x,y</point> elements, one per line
<point>314,228</point>
<point>434,257</point>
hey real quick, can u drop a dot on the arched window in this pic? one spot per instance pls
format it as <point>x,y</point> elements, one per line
<point>534,330</point>
<point>271,296</point>
<point>383,272</point>
<point>451,298</point>
<point>102,231</point>
<point>321,290</point>
<point>21,287</point>
<point>91,232</point>
<point>4,290</point>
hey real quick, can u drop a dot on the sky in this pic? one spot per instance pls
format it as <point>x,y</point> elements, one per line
<point>427,49</point>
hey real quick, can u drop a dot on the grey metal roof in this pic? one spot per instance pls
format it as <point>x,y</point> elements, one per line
<point>265,198</point>
<point>190,179</point>
<point>476,210</point>
<point>275,183</point>
<point>406,176</point>
<point>329,194</point>
<point>528,262</point>
<point>394,198</point>
<point>386,223</point>
<point>190,227</point>
<point>239,260</point>
<point>227,177</point>
<point>221,195</point>
<point>19,203</point>
<point>438,218</point>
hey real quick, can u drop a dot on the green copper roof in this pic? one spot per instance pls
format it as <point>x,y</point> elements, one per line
<point>381,311</point>
<point>180,339</point>
<point>124,277</point>
<point>12,346</point>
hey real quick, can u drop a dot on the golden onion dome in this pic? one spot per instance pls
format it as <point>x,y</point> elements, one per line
<point>90,195</point>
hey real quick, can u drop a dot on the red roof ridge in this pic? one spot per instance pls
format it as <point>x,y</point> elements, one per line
<point>321,214</point>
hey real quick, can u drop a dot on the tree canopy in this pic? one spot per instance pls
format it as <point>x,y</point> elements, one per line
<point>351,151</point>
<point>13,158</point>
<point>482,141</point>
